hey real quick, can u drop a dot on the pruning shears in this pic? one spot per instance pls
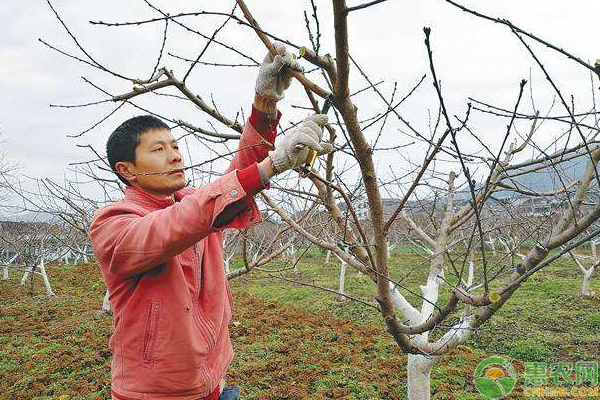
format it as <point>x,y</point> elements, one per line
<point>313,153</point>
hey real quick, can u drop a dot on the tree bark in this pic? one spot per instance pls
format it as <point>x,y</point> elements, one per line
<point>106,303</point>
<point>419,376</point>
<point>342,280</point>
<point>587,279</point>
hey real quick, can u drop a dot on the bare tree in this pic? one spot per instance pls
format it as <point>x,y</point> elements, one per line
<point>58,232</point>
<point>27,246</point>
<point>7,171</point>
<point>588,272</point>
<point>447,190</point>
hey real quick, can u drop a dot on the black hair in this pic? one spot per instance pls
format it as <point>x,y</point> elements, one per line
<point>124,140</point>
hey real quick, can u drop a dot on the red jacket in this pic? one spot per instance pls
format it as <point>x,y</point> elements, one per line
<point>162,262</point>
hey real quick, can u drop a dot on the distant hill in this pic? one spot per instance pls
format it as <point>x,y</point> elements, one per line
<point>29,216</point>
<point>547,179</point>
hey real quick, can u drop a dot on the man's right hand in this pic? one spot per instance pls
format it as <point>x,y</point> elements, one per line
<point>294,149</point>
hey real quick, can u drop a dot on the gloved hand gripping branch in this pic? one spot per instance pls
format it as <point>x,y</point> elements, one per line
<point>272,80</point>
<point>294,148</point>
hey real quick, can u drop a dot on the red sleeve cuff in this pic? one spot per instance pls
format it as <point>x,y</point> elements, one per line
<point>264,124</point>
<point>249,178</point>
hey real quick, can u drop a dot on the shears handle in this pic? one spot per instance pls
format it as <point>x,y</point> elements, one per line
<point>313,154</point>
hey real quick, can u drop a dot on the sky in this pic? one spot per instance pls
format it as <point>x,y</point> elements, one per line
<point>474,58</point>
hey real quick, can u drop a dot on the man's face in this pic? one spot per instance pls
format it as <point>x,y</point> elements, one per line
<point>158,164</point>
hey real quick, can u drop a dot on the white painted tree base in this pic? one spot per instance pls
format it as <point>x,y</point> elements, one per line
<point>342,286</point>
<point>5,267</point>
<point>419,376</point>
<point>106,303</point>
<point>587,279</point>
<point>41,271</point>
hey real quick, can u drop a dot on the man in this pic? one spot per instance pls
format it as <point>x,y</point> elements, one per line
<point>160,247</point>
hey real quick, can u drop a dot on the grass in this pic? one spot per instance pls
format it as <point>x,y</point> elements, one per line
<point>292,341</point>
<point>547,310</point>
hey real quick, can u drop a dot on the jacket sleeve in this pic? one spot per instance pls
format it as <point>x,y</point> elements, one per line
<point>256,141</point>
<point>129,242</point>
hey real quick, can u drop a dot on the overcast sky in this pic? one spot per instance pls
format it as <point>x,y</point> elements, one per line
<point>473,57</point>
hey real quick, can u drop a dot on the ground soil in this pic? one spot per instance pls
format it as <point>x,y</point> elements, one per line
<point>58,348</point>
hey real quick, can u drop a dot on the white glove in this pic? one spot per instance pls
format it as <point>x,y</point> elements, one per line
<point>293,150</point>
<point>272,79</point>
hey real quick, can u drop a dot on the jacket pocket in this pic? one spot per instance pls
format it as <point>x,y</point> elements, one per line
<point>205,327</point>
<point>150,333</point>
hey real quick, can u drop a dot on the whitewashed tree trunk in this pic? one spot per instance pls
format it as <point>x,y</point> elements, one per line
<point>84,254</point>
<point>419,376</point>
<point>471,274</point>
<point>342,280</point>
<point>419,366</point>
<point>5,266</point>
<point>492,243</point>
<point>588,273</point>
<point>227,265</point>
<point>66,257</point>
<point>505,245</point>
<point>255,256</point>
<point>106,303</point>
<point>291,251</point>
<point>418,370</point>
<point>227,269</point>
<point>28,270</point>
<point>389,249</point>
<point>327,256</point>
<point>42,269</point>
<point>587,279</point>
<point>585,287</point>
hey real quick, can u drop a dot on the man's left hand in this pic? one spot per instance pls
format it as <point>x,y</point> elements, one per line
<point>272,79</point>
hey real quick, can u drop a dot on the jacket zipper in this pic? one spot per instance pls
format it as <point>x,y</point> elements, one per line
<point>199,269</point>
<point>203,324</point>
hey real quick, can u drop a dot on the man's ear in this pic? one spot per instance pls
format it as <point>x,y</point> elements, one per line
<point>126,170</point>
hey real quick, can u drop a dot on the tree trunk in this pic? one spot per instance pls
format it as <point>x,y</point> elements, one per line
<point>587,278</point>
<point>106,303</point>
<point>227,268</point>
<point>418,375</point>
<point>85,257</point>
<point>492,243</point>
<point>292,254</point>
<point>12,260</point>
<point>28,270</point>
<point>42,269</point>
<point>342,280</point>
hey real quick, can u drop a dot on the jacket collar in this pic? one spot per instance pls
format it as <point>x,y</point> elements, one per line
<point>146,199</point>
